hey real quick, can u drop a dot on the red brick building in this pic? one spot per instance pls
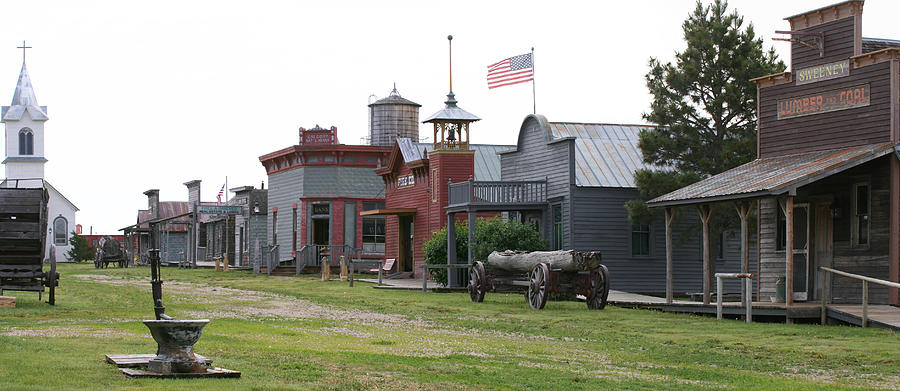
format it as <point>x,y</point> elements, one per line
<point>416,181</point>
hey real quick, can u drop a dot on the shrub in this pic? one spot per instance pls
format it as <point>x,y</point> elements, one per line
<point>491,235</point>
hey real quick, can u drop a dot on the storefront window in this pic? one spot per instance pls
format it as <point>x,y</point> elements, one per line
<point>373,235</point>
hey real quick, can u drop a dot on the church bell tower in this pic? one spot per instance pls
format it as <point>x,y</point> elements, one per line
<point>24,120</point>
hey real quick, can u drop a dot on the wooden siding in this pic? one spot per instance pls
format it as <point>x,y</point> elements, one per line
<point>840,36</point>
<point>285,188</point>
<point>602,224</point>
<point>870,260</point>
<point>838,129</point>
<point>536,160</point>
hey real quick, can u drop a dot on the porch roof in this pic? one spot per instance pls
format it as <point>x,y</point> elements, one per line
<point>772,176</point>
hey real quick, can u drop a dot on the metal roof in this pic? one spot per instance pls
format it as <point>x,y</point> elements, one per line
<point>875,44</point>
<point>394,99</point>
<point>167,209</point>
<point>451,112</point>
<point>606,155</point>
<point>24,100</point>
<point>773,176</point>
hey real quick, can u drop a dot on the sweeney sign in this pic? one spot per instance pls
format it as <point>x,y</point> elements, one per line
<point>828,71</point>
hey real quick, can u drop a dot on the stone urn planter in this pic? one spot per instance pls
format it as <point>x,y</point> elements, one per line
<point>176,339</point>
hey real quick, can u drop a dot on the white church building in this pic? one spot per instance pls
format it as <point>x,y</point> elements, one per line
<point>24,162</point>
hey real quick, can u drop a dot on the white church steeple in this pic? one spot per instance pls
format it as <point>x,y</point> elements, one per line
<point>24,120</point>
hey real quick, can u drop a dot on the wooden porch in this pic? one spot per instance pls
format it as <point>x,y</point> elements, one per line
<point>880,316</point>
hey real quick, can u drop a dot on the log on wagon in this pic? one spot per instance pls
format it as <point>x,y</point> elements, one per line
<point>540,273</point>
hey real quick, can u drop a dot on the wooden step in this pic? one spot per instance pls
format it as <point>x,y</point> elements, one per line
<point>7,302</point>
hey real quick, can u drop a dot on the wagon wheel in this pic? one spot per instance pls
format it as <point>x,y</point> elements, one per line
<point>599,288</point>
<point>477,282</point>
<point>537,289</point>
<point>51,281</point>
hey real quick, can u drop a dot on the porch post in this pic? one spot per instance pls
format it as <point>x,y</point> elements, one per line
<point>670,268</point>
<point>705,212</point>
<point>471,246</point>
<point>451,248</point>
<point>894,242</point>
<point>743,210</point>
<point>789,250</point>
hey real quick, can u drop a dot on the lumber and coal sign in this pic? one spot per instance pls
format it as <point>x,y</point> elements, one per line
<point>824,102</point>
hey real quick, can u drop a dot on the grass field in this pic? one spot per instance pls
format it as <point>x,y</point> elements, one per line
<point>300,333</point>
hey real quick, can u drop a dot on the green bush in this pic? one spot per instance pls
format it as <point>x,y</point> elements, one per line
<point>491,235</point>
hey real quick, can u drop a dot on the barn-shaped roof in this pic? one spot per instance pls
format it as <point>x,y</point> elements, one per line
<point>606,155</point>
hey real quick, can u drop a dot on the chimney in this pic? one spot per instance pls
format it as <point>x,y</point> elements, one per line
<point>153,202</point>
<point>193,193</point>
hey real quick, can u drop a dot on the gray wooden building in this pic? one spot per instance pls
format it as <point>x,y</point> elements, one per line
<point>572,180</point>
<point>826,181</point>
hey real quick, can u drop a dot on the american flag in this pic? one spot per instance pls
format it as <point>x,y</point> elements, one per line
<point>221,192</point>
<point>513,70</point>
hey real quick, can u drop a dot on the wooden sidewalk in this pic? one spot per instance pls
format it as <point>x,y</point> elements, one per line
<point>882,316</point>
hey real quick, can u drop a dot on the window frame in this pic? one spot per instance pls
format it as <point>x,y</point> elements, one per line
<point>855,215</point>
<point>559,241</point>
<point>646,234</point>
<point>65,231</point>
<point>26,142</point>
<point>370,241</point>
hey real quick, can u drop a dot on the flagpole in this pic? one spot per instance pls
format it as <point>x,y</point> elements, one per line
<point>533,99</point>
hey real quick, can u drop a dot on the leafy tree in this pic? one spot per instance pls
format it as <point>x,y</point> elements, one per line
<point>81,249</point>
<point>704,104</point>
<point>491,235</point>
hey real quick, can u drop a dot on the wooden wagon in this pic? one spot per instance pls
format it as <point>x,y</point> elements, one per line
<point>540,273</point>
<point>109,251</point>
<point>23,231</point>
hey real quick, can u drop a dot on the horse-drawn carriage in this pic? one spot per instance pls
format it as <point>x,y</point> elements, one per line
<point>109,250</point>
<point>23,232</point>
<point>541,273</point>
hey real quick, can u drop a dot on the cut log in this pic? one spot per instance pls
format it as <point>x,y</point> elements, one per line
<point>523,262</point>
<point>7,302</point>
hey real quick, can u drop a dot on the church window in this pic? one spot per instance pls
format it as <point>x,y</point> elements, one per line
<point>26,142</point>
<point>60,231</point>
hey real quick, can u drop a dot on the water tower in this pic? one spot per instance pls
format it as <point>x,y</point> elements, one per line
<point>393,117</point>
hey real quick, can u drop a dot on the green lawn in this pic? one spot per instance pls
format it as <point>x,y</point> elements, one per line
<point>300,333</point>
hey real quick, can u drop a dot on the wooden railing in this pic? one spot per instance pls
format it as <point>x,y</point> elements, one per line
<point>865,290</point>
<point>312,254</point>
<point>500,192</point>
<point>746,293</point>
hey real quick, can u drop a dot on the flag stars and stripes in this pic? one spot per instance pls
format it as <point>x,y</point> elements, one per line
<point>513,70</point>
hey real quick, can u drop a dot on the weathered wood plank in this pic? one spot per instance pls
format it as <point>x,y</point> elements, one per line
<point>7,302</point>
<point>136,360</point>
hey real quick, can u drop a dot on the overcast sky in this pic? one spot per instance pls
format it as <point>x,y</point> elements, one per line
<point>148,95</point>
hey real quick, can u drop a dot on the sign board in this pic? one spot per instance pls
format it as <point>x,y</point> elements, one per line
<point>318,136</point>
<point>406,181</point>
<point>219,210</point>
<point>321,209</point>
<point>822,72</point>
<point>824,102</point>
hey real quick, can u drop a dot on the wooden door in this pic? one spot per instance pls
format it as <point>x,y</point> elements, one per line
<point>801,251</point>
<point>823,243</point>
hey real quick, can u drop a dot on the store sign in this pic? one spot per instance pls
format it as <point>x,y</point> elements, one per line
<point>219,210</point>
<point>824,102</point>
<point>828,71</point>
<point>406,181</point>
<point>320,209</point>
<point>318,136</point>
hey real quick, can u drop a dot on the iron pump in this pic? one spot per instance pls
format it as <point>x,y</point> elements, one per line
<point>156,283</point>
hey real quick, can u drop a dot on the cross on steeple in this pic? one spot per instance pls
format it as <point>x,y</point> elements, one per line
<point>23,47</point>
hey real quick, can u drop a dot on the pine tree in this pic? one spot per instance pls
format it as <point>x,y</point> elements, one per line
<point>704,104</point>
<point>81,250</point>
